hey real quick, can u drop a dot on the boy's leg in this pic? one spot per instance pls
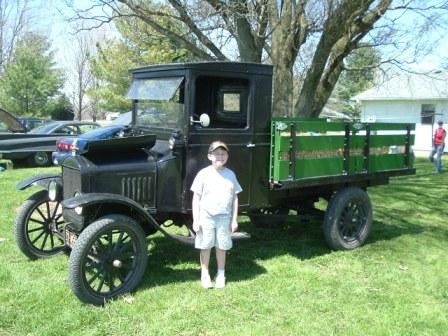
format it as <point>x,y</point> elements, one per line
<point>223,243</point>
<point>221,259</point>
<point>205,260</point>
<point>205,275</point>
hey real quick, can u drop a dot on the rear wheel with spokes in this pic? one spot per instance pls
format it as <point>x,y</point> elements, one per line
<point>348,219</point>
<point>38,227</point>
<point>108,259</point>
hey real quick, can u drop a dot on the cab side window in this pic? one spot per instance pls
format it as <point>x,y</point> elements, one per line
<point>225,100</point>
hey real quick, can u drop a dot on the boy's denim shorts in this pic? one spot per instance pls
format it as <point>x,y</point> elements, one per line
<point>215,232</point>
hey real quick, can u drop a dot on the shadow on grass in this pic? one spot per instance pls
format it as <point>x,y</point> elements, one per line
<point>20,164</point>
<point>398,204</point>
<point>301,240</point>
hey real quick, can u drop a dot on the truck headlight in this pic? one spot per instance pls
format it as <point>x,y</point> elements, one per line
<point>171,143</point>
<point>54,191</point>
<point>78,210</point>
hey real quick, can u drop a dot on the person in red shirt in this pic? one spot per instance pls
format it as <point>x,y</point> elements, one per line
<point>438,145</point>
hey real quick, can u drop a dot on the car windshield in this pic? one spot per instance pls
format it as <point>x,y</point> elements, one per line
<point>160,101</point>
<point>44,129</point>
<point>123,119</point>
<point>102,132</point>
<point>9,123</point>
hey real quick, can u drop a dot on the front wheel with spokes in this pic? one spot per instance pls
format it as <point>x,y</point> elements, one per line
<point>38,227</point>
<point>108,259</point>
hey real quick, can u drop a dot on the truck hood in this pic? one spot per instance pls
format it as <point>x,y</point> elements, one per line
<point>12,123</point>
<point>116,149</point>
<point>120,145</point>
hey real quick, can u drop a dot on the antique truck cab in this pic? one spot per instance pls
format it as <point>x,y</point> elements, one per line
<point>118,191</point>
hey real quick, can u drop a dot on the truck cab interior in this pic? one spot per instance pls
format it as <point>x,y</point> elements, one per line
<point>225,100</point>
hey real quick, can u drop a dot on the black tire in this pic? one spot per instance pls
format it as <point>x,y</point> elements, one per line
<point>108,259</point>
<point>36,225</point>
<point>40,159</point>
<point>348,219</point>
<point>268,217</point>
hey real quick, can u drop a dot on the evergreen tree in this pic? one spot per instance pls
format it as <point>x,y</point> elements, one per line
<point>61,108</point>
<point>30,80</point>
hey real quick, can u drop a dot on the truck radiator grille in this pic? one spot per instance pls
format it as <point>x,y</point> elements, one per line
<point>137,188</point>
<point>72,182</point>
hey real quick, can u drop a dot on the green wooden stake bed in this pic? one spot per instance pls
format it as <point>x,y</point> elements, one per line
<point>306,150</point>
<point>115,193</point>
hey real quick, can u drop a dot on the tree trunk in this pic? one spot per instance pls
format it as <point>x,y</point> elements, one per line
<point>289,33</point>
<point>345,27</point>
<point>282,90</point>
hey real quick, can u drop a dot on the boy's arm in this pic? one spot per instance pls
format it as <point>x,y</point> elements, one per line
<point>234,222</point>
<point>195,208</point>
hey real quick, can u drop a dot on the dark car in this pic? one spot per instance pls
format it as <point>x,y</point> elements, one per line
<point>37,145</point>
<point>65,127</point>
<point>10,124</point>
<point>31,122</point>
<point>72,146</point>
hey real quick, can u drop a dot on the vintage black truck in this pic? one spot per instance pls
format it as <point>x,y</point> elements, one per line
<point>108,199</point>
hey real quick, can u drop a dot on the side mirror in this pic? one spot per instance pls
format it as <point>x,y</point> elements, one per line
<point>204,120</point>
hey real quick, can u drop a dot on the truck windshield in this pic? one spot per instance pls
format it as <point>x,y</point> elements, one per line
<point>160,101</point>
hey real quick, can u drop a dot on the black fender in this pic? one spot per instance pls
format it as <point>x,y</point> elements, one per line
<point>40,180</point>
<point>101,198</point>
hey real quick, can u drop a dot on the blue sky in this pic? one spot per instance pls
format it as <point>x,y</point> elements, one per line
<point>52,18</point>
<point>53,24</point>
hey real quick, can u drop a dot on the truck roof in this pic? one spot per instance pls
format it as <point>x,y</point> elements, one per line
<point>249,68</point>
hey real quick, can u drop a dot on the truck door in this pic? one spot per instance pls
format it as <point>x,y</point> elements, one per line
<point>227,102</point>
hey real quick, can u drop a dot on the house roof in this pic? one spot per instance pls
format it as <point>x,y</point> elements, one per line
<point>333,114</point>
<point>409,86</point>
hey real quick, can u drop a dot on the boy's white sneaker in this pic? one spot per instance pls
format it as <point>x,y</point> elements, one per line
<point>220,281</point>
<point>206,282</point>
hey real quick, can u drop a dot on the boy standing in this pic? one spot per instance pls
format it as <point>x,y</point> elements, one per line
<point>438,146</point>
<point>215,211</point>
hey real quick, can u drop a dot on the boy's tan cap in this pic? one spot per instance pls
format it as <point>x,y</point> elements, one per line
<point>217,144</point>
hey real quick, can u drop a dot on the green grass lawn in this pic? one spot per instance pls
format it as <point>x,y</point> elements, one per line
<point>283,281</point>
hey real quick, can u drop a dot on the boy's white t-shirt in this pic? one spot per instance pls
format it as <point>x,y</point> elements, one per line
<point>216,189</point>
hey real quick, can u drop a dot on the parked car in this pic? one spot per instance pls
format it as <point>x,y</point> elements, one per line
<point>66,147</point>
<point>31,122</point>
<point>65,127</point>
<point>10,124</point>
<point>36,146</point>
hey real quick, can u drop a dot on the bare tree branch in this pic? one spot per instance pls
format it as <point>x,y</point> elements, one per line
<point>13,23</point>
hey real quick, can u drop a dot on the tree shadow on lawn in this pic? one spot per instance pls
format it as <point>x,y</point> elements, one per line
<point>171,262</point>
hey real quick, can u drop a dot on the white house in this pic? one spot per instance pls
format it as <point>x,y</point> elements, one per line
<point>420,99</point>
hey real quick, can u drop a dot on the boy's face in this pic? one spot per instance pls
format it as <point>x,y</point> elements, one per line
<point>218,158</point>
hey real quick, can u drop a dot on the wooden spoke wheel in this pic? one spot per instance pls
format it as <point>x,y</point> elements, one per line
<point>348,219</point>
<point>38,227</point>
<point>108,259</point>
